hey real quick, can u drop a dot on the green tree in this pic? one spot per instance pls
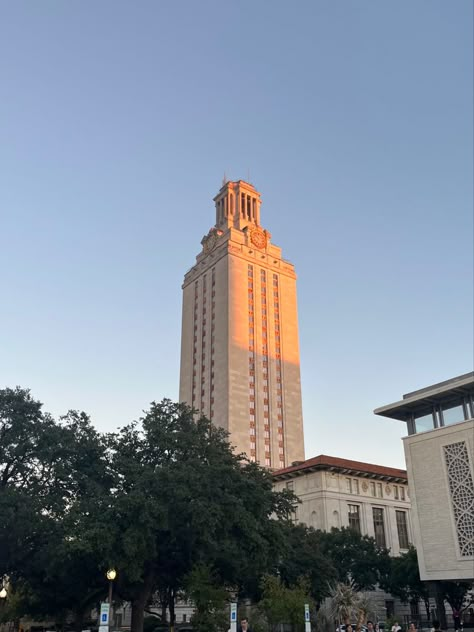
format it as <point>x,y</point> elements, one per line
<point>283,605</point>
<point>303,557</point>
<point>182,497</point>
<point>48,470</point>
<point>403,580</point>
<point>209,598</point>
<point>347,605</point>
<point>457,594</point>
<point>356,558</point>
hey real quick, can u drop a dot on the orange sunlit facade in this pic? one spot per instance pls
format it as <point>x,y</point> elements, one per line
<point>239,345</point>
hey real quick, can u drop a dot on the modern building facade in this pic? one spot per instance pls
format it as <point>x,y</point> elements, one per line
<point>239,346</point>
<point>439,451</point>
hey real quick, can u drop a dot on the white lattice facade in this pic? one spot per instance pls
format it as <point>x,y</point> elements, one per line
<point>461,491</point>
<point>439,452</point>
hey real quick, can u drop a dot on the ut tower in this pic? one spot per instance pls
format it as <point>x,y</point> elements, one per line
<point>240,362</point>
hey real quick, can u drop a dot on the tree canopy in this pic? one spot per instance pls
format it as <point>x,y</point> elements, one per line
<point>167,502</point>
<point>155,500</point>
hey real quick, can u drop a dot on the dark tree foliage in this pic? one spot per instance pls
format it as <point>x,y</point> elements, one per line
<point>180,498</point>
<point>402,579</point>
<point>457,594</point>
<point>160,500</point>
<point>303,558</point>
<point>355,557</point>
<point>47,470</point>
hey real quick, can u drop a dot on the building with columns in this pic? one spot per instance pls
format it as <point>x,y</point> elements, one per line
<point>371,499</point>
<point>240,362</point>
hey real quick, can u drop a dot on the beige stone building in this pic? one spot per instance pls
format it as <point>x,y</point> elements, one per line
<point>439,451</point>
<point>240,361</point>
<point>371,499</point>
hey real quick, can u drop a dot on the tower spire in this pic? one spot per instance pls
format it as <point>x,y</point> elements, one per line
<point>237,205</point>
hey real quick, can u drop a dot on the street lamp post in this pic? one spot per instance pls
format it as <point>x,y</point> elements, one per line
<point>111,575</point>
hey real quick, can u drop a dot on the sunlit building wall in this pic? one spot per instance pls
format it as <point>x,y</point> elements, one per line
<point>239,346</point>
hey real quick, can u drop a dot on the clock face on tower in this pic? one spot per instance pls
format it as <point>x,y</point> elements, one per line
<point>210,242</point>
<point>258,238</point>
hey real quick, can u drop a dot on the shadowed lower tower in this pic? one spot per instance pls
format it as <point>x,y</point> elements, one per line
<point>240,360</point>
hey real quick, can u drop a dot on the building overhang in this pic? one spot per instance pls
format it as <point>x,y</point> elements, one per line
<point>418,401</point>
<point>342,466</point>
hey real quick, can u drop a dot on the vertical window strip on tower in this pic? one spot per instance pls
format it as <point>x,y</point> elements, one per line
<point>203,343</point>
<point>213,323</point>
<point>195,326</point>
<point>280,425</point>
<point>252,433</point>
<point>265,372</point>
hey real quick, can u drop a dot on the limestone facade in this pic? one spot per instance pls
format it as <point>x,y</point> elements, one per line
<point>439,452</point>
<point>239,344</point>
<point>445,545</point>
<point>334,492</point>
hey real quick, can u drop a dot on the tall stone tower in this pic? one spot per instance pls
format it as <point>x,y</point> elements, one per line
<point>240,363</point>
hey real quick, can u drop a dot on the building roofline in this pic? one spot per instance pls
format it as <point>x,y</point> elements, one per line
<point>424,398</point>
<point>344,466</point>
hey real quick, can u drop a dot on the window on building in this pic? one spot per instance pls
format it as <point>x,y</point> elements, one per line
<point>289,485</point>
<point>355,486</point>
<point>295,514</point>
<point>453,414</point>
<point>354,517</point>
<point>424,422</point>
<point>349,485</point>
<point>469,407</point>
<point>402,529</point>
<point>402,493</point>
<point>379,526</point>
<point>372,489</point>
<point>379,490</point>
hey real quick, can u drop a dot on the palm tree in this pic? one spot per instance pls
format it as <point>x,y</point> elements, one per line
<point>347,604</point>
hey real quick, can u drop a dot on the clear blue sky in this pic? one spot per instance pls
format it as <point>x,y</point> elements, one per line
<point>354,120</point>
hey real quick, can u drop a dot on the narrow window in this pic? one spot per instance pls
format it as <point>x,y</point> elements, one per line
<point>354,517</point>
<point>402,529</point>
<point>379,527</point>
